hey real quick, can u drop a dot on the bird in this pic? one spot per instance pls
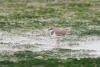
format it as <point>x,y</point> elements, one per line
<point>58,33</point>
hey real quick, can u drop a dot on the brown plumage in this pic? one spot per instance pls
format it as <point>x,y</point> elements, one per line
<point>57,32</point>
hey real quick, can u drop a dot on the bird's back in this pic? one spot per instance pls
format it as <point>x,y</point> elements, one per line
<point>59,32</point>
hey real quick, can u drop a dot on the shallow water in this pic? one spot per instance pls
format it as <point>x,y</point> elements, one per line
<point>40,40</point>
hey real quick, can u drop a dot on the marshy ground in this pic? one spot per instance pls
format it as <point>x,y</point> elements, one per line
<point>25,39</point>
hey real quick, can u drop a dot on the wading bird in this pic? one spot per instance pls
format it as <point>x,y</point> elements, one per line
<point>58,33</point>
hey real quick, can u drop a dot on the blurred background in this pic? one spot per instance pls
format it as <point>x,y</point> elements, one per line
<point>26,41</point>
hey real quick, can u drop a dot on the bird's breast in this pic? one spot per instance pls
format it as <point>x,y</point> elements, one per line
<point>52,32</point>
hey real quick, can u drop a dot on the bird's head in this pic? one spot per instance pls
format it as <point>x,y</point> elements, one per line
<point>51,28</point>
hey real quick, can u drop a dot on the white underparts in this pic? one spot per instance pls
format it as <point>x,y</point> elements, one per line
<point>53,33</point>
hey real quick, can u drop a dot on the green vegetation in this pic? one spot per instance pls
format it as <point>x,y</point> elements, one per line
<point>27,59</point>
<point>86,62</point>
<point>82,17</point>
<point>78,15</point>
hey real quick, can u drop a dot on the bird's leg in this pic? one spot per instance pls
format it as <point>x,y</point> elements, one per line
<point>58,42</point>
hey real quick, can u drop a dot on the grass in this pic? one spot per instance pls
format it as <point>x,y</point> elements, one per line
<point>75,10</point>
<point>82,17</point>
<point>27,59</point>
<point>54,62</point>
